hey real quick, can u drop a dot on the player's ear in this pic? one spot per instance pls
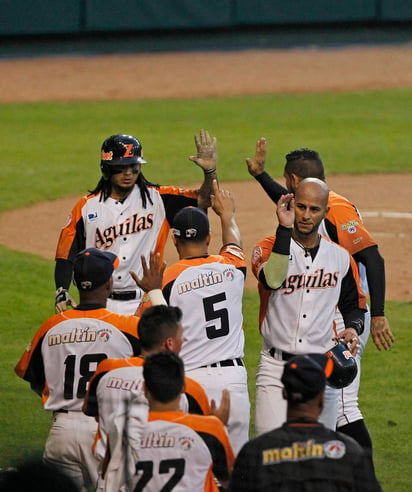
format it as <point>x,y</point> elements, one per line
<point>208,239</point>
<point>109,285</point>
<point>294,180</point>
<point>168,344</point>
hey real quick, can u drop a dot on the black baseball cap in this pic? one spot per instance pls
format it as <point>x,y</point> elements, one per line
<point>191,223</point>
<point>304,377</point>
<point>93,267</point>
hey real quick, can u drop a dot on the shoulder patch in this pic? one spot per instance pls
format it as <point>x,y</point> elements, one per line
<point>334,450</point>
<point>350,226</point>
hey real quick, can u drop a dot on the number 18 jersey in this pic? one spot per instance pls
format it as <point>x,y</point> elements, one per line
<point>66,350</point>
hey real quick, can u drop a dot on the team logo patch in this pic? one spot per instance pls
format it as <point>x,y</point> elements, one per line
<point>92,216</point>
<point>229,275</point>
<point>350,226</point>
<point>86,284</point>
<point>334,450</point>
<point>186,443</point>
<point>107,156</point>
<point>104,335</point>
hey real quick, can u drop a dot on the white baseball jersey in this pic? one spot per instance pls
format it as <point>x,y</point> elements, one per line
<point>124,228</point>
<point>298,317</point>
<point>116,392</point>
<point>180,451</point>
<point>59,362</point>
<point>209,292</point>
<point>66,350</point>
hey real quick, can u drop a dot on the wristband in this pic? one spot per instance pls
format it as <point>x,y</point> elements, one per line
<point>156,297</point>
<point>357,325</point>
<point>209,171</point>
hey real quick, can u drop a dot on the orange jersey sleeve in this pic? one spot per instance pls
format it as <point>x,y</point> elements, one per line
<point>349,228</point>
<point>69,232</point>
<point>197,398</point>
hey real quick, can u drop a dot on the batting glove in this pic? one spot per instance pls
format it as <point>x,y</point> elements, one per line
<point>63,300</point>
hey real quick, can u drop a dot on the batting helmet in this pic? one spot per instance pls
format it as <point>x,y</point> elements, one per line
<point>120,150</point>
<point>345,367</point>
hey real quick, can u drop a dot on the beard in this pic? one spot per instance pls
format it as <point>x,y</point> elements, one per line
<point>123,189</point>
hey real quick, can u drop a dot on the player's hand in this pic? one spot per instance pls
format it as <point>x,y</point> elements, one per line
<point>152,275</point>
<point>223,412</point>
<point>222,201</point>
<point>350,337</point>
<point>63,300</point>
<point>381,333</point>
<point>257,166</point>
<point>206,157</point>
<point>285,210</point>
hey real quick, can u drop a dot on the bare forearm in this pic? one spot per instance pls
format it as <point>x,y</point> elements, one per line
<point>203,199</point>
<point>230,231</point>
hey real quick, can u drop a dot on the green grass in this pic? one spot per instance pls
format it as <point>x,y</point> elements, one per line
<point>50,150</point>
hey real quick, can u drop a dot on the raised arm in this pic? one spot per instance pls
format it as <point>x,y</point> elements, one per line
<point>206,158</point>
<point>256,168</point>
<point>275,270</point>
<point>223,205</point>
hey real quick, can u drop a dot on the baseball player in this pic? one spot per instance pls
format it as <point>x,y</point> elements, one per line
<point>178,450</point>
<point>302,277</point>
<point>115,394</point>
<point>209,289</point>
<point>343,224</point>
<point>127,215</point>
<point>303,454</point>
<point>63,355</point>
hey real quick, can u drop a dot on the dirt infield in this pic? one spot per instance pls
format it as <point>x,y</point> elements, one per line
<point>383,199</point>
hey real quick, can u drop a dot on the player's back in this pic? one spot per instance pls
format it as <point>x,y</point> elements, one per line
<point>209,291</point>
<point>303,457</point>
<point>70,346</point>
<point>173,455</point>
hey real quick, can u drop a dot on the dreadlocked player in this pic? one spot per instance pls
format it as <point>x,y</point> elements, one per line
<point>127,215</point>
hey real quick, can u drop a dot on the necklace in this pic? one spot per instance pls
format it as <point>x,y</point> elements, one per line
<point>309,251</point>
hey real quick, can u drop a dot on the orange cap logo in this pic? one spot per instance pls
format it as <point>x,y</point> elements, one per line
<point>128,151</point>
<point>107,156</point>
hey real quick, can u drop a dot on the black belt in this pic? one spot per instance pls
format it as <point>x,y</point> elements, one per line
<point>282,355</point>
<point>226,363</point>
<point>61,410</point>
<point>125,295</point>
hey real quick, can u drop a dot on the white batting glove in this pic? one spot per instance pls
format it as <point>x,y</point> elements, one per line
<point>63,300</point>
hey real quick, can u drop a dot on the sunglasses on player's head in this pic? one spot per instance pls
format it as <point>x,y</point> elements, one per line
<point>119,169</point>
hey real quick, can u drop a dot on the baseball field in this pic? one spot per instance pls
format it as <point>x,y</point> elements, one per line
<point>351,104</point>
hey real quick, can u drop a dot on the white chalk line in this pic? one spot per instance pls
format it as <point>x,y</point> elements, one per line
<point>399,235</point>
<point>388,215</point>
